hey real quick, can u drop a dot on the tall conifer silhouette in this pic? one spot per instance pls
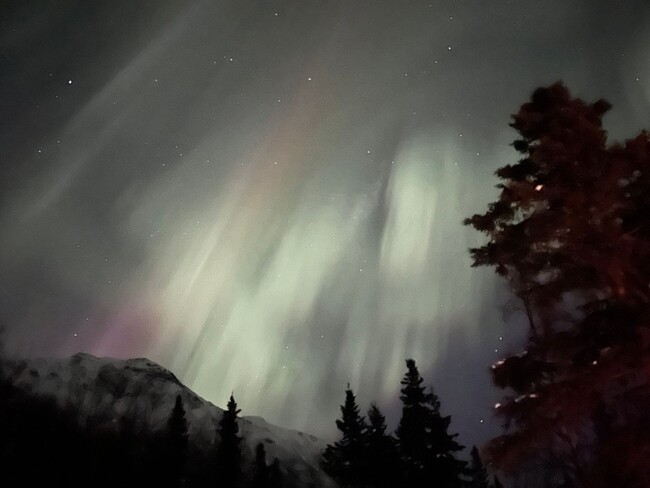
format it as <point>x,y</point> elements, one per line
<point>427,449</point>
<point>229,450</point>
<point>176,444</point>
<point>261,475</point>
<point>276,479</point>
<point>344,460</point>
<point>382,463</point>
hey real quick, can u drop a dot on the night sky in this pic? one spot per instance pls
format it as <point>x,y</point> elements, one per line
<point>266,197</point>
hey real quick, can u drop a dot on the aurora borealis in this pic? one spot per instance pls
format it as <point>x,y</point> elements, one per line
<point>267,197</point>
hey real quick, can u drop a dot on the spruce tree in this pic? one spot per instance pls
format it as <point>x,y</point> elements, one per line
<point>411,431</point>
<point>382,463</point>
<point>344,460</point>
<point>261,475</point>
<point>443,467</point>
<point>275,475</point>
<point>176,443</point>
<point>570,233</point>
<point>426,447</point>
<point>229,454</point>
<point>477,472</point>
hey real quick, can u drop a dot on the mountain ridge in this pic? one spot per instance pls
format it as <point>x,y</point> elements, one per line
<point>141,390</point>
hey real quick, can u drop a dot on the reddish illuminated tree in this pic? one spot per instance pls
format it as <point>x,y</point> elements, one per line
<point>570,232</point>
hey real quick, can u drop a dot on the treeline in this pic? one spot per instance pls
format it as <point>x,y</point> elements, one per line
<point>44,444</point>
<point>420,453</point>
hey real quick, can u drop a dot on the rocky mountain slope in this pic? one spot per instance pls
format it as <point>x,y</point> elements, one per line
<point>145,391</point>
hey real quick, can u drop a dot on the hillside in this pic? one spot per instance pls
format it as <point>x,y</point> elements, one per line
<point>144,392</point>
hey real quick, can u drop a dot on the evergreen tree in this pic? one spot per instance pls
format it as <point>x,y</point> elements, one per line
<point>261,475</point>
<point>229,454</point>
<point>411,431</point>
<point>443,467</point>
<point>176,444</point>
<point>382,464</point>
<point>344,460</point>
<point>275,475</point>
<point>477,472</point>
<point>426,447</point>
<point>570,233</point>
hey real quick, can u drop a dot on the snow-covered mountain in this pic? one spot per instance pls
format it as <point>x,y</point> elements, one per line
<point>143,390</point>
